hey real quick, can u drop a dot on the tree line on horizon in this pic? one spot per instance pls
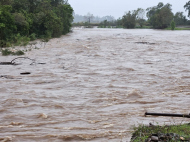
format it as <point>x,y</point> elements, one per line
<point>95,19</point>
<point>25,20</point>
<point>158,17</point>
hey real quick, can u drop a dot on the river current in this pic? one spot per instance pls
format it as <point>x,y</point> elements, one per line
<point>95,85</point>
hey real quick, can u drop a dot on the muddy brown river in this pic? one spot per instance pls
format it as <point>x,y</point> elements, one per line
<point>95,85</point>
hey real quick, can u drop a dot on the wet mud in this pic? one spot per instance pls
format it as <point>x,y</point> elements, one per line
<point>95,85</point>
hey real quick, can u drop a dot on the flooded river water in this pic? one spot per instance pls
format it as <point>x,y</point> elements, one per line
<point>95,85</point>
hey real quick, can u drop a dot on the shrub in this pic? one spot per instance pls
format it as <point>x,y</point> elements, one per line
<point>20,40</point>
<point>25,40</point>
<point>142,133</point>
<point>19,52</point>
<point>8,44</point>
<point>32,36</point>
<point>172,25</point>
<point>6,52</point>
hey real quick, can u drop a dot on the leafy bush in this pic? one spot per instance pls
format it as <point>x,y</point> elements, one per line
<point>32,36</point>
<point>19,52</point>
<point>20,40</point>
<point>25,40</point>
<point>7,52</point>
<point>8,44</point>
<point>172,25</point>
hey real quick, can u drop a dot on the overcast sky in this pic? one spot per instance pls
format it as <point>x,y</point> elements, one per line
<point>117,8</point>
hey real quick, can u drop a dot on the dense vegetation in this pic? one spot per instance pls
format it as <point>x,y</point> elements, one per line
<point>157,17</point>
<point>25,20</point>
<point>160,16</point>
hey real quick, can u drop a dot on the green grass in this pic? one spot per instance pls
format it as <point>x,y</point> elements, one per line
<point>142,133</point>
<point>176,28</point>
<point>144,27</point>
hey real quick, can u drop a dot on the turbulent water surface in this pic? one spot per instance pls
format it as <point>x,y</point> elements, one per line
<point>95,85</point>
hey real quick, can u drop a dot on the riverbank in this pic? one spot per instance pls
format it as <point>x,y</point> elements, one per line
<point>22,49</point>
<point>163,133</point>
<point>23,46</point>
<point>121,27</point>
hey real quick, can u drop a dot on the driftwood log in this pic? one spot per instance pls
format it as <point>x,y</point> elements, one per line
<point>25,73</point>
<point>168,114</point>
<point>6,63</point>
<point>145,43</point>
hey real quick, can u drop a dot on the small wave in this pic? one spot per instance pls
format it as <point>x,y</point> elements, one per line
<point>134,95</point>
<point>43,115</point>
<point>6,139</point>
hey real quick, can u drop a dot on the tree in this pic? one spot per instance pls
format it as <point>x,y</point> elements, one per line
<point>21,19</point>
<point>53,19</point>
<point>89,17</point>
<point>187,7</point>
<point>129,20</point>
<point>6,2</point>
<point>65,13</point>
<point>119,22</point>
<point>20,5</point>
<point>180,19</point>
<point>55,3</point>
<point>140,16</point>
<point>21,23</point>
<point>7,24</point>
<point>160,16</point>
<point>172,25</point>
<point>33,5</point>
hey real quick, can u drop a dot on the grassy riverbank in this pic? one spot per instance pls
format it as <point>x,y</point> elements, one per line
<point>180,28</point>
<point>173,133</point>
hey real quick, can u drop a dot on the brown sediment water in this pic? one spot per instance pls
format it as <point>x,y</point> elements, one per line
<point>95,86</point>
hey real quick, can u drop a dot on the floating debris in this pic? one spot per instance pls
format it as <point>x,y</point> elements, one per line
<point>43,115</point>
<point>14,63</point>
<point>25,73</point>
<point>145,43</point>
<point>7,76</point>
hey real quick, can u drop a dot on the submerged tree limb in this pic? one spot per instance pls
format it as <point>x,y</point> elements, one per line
<point>6,63</point>
<point>33,61</point>
<point>14,63</point>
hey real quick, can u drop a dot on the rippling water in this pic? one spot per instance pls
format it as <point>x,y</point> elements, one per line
<point>95,86</point>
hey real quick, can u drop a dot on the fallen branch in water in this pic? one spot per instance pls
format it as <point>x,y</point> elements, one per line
<point>23,58</point>
<point>145,43</point>
<point>13,63</point>
<point>25,73</point>
<point>6,63</point>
